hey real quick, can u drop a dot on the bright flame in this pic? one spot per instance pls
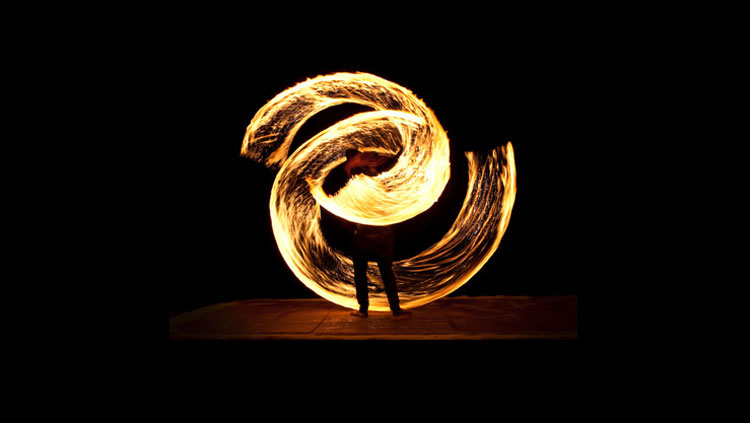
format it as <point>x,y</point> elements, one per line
<point>400,123</point>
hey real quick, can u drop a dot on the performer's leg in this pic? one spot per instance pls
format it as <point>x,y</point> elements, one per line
<point>389,281</point>
<point>360,282</point>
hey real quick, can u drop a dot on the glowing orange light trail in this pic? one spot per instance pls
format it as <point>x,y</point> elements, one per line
<point>401,123</point>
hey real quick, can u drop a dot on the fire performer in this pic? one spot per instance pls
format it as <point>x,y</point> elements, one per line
<point>372,243</point>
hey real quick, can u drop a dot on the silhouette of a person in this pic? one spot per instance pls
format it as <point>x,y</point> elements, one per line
<point>372,243</point>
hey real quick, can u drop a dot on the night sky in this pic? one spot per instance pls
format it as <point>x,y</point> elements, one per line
<point>212,221</point>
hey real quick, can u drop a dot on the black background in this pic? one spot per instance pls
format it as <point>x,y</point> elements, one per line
<point>212,235</point>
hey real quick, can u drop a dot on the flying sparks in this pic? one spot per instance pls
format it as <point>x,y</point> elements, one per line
<point>400,125</point>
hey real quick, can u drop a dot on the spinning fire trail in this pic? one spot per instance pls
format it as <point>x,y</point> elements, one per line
<point>401,125</point>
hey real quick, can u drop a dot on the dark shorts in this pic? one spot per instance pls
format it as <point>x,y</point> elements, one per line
<point>373,242</point>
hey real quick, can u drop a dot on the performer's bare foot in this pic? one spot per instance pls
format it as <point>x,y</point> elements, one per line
<point>359,313</point>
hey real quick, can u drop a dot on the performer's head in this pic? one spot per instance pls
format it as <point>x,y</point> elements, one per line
<point>369,163</point>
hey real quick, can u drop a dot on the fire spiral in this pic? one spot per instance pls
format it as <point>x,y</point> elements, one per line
<point>399,125</point>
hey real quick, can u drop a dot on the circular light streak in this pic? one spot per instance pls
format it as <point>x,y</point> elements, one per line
<point>401,124</point>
